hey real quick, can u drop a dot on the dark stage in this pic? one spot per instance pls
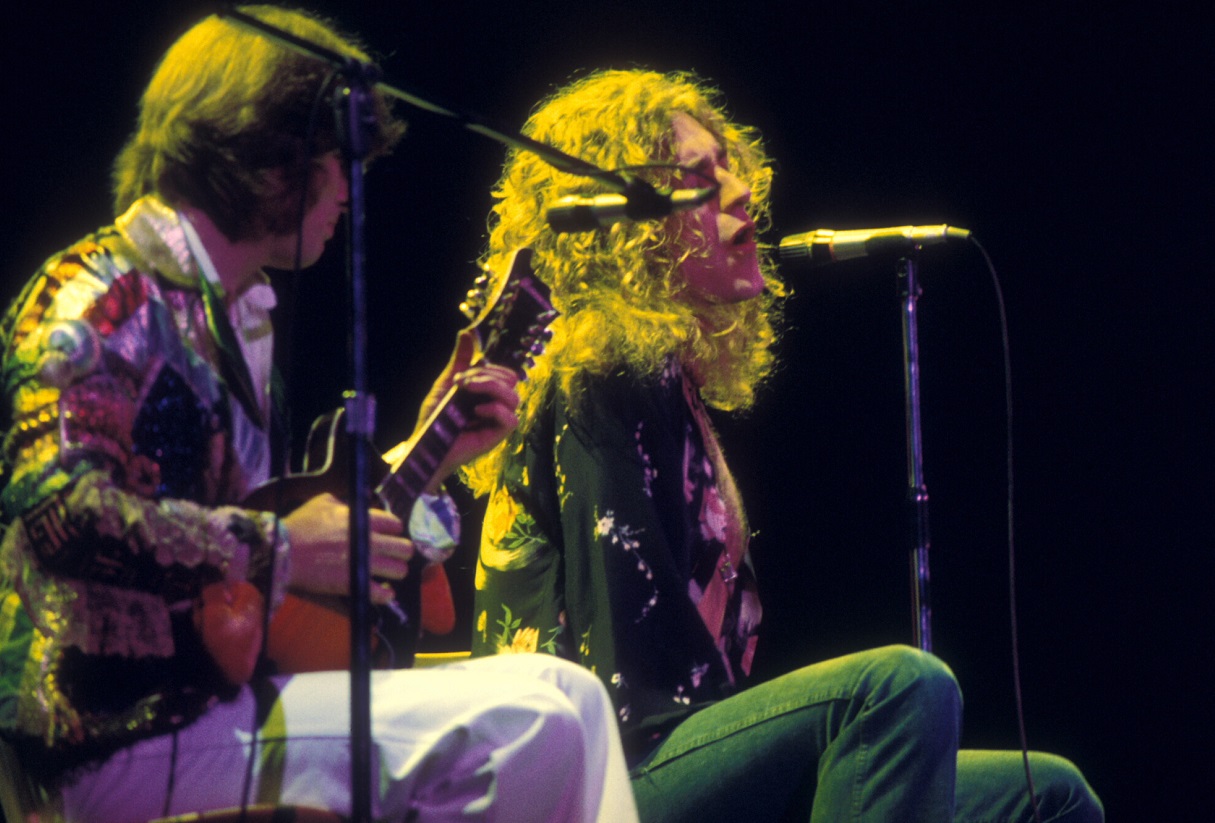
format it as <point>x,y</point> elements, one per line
<point>1072,142</point>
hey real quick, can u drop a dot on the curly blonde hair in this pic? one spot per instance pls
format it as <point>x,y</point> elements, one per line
<point>619,290</point>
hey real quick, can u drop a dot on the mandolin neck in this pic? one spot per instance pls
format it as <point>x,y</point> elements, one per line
<point>413,472</point>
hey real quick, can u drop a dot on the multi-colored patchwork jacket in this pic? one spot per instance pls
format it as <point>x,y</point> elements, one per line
<point>119,475</point>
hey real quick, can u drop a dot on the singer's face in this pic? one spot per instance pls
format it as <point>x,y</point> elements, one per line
<point>320,220</point>
<point>724,265</point>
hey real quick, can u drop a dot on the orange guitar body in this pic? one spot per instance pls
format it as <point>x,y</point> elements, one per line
<point>311,633</point>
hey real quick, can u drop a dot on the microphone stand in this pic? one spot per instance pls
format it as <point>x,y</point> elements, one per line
<point>917,491</point>
<point>361,81</point>
<point>353,108</point>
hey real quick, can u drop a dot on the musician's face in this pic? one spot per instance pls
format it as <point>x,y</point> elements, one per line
<point>724,265</point>
<point>320,220</point>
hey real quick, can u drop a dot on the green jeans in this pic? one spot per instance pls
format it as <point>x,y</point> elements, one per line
<point>871,736</point>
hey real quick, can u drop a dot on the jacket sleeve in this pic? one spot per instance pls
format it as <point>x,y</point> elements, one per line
<point>93,356</point>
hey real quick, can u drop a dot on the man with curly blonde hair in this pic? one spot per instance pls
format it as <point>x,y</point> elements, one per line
<point>615,535</point>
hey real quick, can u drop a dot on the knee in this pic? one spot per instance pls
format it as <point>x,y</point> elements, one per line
<point>576,682</point>
<point>522,751</point>
<point>534,715</point>
<point>559,740</point>
<point>918,672</point>
<point>552,668</point>
<point>919,682</point>
<point>1063,793</point>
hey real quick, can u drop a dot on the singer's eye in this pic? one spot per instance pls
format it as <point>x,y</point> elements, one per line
<point>703,173</point>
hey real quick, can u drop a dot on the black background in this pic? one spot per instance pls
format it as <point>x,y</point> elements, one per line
<point>1070,139</point>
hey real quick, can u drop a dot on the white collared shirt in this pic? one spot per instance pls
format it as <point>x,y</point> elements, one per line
<point>249,316</point>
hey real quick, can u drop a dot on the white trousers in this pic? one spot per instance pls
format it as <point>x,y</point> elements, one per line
<point>528,738</point>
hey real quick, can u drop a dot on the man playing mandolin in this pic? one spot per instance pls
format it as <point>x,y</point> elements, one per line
<point>137,381</point>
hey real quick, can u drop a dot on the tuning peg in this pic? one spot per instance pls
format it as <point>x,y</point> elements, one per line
<point>480,287</point>
<point>474,301</point>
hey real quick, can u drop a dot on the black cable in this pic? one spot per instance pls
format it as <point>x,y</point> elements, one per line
<point>171,787</point>
<point>1012,566</point>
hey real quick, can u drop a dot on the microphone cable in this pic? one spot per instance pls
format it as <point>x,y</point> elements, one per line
<point>1009,512</point>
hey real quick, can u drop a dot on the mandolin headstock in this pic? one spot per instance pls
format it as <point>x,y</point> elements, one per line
<point>511,320</point>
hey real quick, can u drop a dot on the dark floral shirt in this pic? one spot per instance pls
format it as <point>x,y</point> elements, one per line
<point>600,542</point>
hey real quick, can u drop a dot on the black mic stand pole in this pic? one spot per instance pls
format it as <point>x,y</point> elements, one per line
<point>353,108</point>
<point>355,114</point>
<point>917,492</point>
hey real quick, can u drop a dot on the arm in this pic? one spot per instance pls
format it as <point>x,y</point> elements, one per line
<point>319,528</point>
<point>115,454</point>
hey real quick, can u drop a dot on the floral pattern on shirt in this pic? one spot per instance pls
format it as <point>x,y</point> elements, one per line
<point>595,547</point>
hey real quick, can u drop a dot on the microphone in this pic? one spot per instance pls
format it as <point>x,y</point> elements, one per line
<point>823,246</point>
<point>600,211</point>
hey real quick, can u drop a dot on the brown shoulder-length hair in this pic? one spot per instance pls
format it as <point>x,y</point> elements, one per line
<point>231,123</point>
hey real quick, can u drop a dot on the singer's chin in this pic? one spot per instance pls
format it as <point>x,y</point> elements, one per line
<point>746,288</point>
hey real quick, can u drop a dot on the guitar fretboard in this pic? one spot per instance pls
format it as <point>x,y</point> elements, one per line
<point>405,483</point>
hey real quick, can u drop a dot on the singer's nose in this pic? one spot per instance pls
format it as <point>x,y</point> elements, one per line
<point>733,192</point>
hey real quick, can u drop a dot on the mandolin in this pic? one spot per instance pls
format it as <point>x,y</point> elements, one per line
<point>311,632</point>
